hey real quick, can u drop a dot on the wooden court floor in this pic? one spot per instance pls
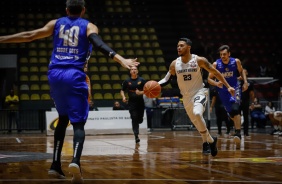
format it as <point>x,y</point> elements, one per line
<point>162,157</point>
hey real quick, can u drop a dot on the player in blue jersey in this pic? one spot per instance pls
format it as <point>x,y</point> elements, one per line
<point>72,37</point>
<point>231,68</point>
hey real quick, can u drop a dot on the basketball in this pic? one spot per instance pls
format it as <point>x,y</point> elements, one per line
<point>152,89</point>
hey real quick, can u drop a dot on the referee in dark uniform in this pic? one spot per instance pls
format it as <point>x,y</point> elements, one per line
<point>134,87</point>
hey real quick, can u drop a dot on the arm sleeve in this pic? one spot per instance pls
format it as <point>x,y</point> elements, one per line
<point>98,44</point>
<point>165,81</point>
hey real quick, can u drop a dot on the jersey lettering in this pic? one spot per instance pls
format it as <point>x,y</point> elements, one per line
<point>187,77</point>
<point>70,36</point>
<point>227,74</point>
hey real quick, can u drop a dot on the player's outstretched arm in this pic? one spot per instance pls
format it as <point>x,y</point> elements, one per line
<point>100,45</point>
<point>28,36</point>
<point>165,81</point>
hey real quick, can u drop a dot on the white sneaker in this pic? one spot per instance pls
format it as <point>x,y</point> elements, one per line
<point>76,173</point>
<point>237,140</point>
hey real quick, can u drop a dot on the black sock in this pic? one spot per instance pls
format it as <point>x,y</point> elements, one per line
<point>59,136</point>
<point>78,141</point>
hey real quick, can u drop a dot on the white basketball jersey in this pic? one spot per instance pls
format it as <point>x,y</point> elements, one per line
<point>189,76</point>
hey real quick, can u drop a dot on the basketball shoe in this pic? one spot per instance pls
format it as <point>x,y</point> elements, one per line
<point>56,171</point>
<point>206,148</point>
<point>213,147</point>
<point>137,140</point>
<point>237,140</point>
<point>76,173</point>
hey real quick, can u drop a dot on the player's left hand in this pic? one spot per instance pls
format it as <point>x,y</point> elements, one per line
<point>231,90</point>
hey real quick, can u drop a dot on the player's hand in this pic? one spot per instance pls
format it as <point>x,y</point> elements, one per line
<point>231,90</point>
<point>138,92</point>
<point>124,99</point>
<point>219,84</point>
<point>127,63</point>
<point>245,87</point>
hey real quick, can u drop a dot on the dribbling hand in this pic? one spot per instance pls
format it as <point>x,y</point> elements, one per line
<point>231,90</point>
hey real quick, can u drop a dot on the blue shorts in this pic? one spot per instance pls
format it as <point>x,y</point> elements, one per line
<point>69,91</point>
<point>227,99</point>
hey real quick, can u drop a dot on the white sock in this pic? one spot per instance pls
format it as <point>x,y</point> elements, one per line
<point>206,137</point>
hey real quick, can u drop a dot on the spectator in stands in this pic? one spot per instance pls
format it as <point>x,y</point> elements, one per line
<point>247,98</point>
<point>150,103</point>
<point>12,104</point>
<point>118,106</point>
<point>92,106</point>
<point>220,112</point>
<point>257,114</point>
<point>72,38</point>
<point>269,109</point>
<point>269,113</point>
<point>277,116</point>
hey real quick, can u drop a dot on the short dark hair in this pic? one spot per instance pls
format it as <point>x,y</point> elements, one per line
<point>223,47</point>
<point>186,40</point>
<point>75,6</point>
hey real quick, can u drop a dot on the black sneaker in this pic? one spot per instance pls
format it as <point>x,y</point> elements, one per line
<point>137,140</point>
<point>237,140</point>
<point>213,147</point>
<point>56,171</point>
<point>206,148</point>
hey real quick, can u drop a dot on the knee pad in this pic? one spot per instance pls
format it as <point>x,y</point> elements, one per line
<point>235,110</point>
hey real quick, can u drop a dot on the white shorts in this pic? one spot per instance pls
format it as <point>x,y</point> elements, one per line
<point>201,97</point>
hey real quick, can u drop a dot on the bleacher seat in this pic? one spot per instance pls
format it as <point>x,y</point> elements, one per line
<point>34,78</point>
<point>96,86</point>
<point>24,78</point>
<point>44,87</point>
<point>34,96</point>
<point>108,96</point>
<point>97,96</point>
<point>117,96</point>
<point>24,87</point>
<point>95,77</point>
<point>24,96</point>
<point>107,86</point>
<point>115,77</point>
<point>34,87</point>
<point>44,78</point>
<point>45,96</point>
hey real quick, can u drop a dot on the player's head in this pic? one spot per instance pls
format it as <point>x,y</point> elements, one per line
<point>184,46</point>
<point>186,40</point>
<point>224,47</point>
<point>75,7</point>
<point>224,52</point>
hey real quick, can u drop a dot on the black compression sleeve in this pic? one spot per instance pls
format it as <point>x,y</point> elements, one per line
<point>98,44</point>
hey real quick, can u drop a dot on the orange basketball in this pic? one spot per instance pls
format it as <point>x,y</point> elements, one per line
<point>152,89</point>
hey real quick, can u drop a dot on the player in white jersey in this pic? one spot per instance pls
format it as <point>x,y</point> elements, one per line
<point>187,67</point>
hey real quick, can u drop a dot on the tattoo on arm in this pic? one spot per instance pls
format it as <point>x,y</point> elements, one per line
<point>207,65</point>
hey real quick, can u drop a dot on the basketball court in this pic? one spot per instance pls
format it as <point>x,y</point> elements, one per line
<point>162,157</point>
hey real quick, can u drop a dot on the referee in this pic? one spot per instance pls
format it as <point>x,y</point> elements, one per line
<point>134,87</point>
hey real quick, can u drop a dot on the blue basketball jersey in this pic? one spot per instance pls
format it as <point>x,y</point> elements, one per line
<point>230,73</point>
<point>71,44</point>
